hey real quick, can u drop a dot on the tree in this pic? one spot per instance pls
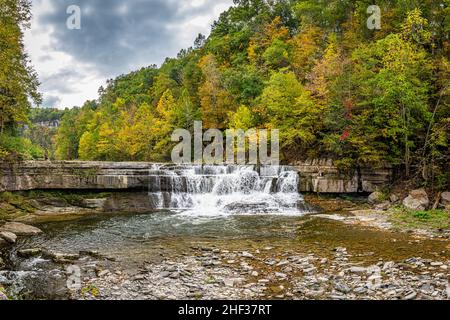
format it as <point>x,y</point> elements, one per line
<point>215,100</point>
<point>18,80</point>
<point>288,106</point>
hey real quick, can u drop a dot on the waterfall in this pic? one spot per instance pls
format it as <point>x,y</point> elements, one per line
<point>223,190</point>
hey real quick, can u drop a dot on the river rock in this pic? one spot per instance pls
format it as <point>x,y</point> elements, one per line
<point>358,270</point>
<point>8,236</point>
<point>394,198</point>
<point>417,200</point>
<point>20,229</point>
<point>383,206</point>
<point>28,253</point>
<point>376,197</point>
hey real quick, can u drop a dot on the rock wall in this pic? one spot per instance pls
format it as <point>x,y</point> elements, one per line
<point>322,176</point>
<point>315,176</point>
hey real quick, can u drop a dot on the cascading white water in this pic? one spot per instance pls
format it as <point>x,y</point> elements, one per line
<point>224,190</point>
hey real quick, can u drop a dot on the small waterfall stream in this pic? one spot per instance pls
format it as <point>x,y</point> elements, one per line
<point>229,189</point>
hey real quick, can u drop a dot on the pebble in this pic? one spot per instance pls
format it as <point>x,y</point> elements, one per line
<point>358,270</point>
<point>410,296</point>
<point>341,287</point>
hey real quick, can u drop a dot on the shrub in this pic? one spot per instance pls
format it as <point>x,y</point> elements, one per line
<point>18,147</point>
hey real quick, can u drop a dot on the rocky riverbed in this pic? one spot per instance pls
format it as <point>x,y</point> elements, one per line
<point>228,258</point>
<point>213,273</point>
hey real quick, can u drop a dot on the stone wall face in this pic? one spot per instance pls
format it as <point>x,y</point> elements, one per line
<point>315,176</point>
<point>321,176</point>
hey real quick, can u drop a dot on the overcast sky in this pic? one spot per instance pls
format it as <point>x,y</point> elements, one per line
<point>116,37</point>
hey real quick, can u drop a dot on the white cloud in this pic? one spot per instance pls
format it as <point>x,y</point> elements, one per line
<point>117,38</point>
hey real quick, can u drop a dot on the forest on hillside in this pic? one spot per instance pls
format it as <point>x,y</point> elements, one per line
<point>312,69</point>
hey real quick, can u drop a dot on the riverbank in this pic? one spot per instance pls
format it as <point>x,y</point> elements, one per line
<point>228,258</point>
<point>343,248</point>
<point>44,206</point>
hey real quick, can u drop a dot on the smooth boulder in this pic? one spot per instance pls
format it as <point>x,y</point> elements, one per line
<point>445,199</point>
<point>20,229</point>
<point>8,236</point>
<point>376,197</point>
<point>417,200</point>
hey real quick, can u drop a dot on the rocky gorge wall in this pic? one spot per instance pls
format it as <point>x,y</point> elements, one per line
<point>315,176</point>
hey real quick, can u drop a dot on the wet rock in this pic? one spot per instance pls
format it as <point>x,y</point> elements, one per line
<point>417,200</point>
<point>29,253</point>
<point>2,263</point>
<point>8,236</point>
<point>59,257</point>
<point>90,253</point>
<point>20,229</point>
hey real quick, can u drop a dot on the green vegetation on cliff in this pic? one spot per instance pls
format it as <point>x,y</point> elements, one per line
<point>18,81</point>
<point>309,68</point>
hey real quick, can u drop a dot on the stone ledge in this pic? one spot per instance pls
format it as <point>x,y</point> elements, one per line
<point>319,176</point>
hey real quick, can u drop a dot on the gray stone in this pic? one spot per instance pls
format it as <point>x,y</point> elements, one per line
<point>394,198</point>
<point>342,287</point>
<point>28,253</point>
<point>164,274</point>
<point>410,296</point>
<point>8,236</point>
<point>445,199</point>
<point>388,265</point>
<point>385,205</point>
<point>376,197</point>
<point>280,275</point>
<point>20,229</point>
<point>417,200</point>
<point>319,175</point>
<point>358,270</point>
<point>247,254</point>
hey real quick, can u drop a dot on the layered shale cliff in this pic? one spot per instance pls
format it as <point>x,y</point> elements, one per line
<point>315,176</point>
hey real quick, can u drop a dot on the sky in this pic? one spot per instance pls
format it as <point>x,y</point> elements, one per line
<point>115,37</point>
